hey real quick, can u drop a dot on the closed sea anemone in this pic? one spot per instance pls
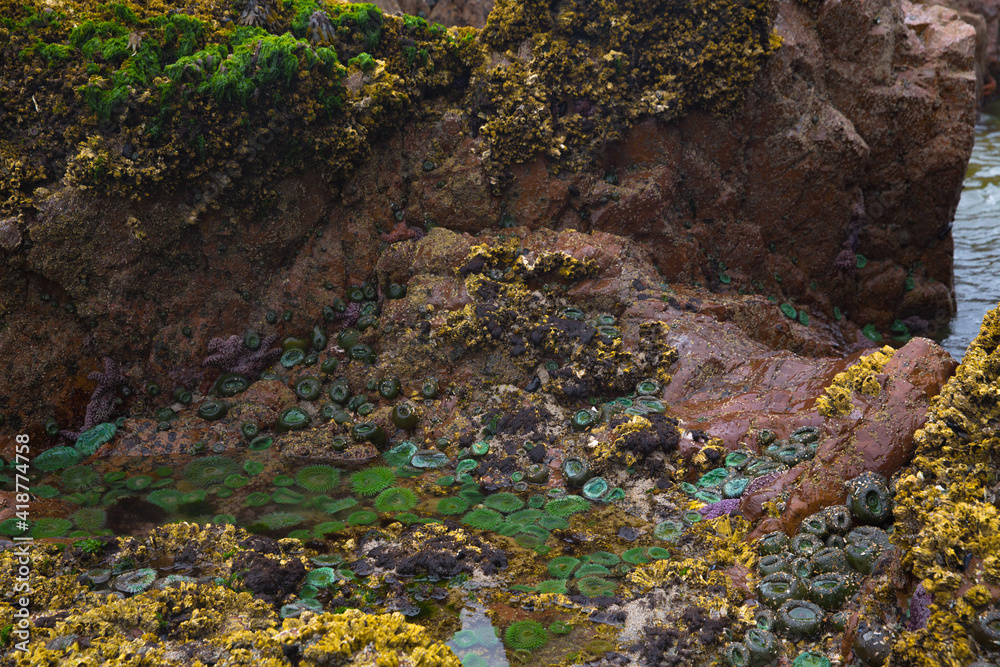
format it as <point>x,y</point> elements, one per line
<point>318,478</point>
<point>135,581</point>
<point>526,636</point>
<point>210,470</point>
<point>371,481</point>
<point>395,499</point>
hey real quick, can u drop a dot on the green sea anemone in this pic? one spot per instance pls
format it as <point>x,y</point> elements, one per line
<point>13,527</point>
<point>257,499</point>
<point>45,491</point>
<point>400,454</point>
<point>56,458</point>
<point>339,505</point>
<point>526,517</point>
<point>452,505</point>
<point>282,480</point>
<point>605,558</point>
<point>91,439</point>
<point>595,586</point>
<point>318,478</point>
<point>549,522</point>
<point>482,518</point>
<point>566,506</point>
<point>465,639</point>
<point>236,481</point>
<point>589,569</point>
<point>253,467</point>
<point>526,636</point>
<point>89,519</point>
<point>50,527</point>
<point>135,581</point>
<point>284,496</point>
<point>396,499</point>
<point>168,499</point>
<point>636,556</point>
<point>560,628</point>
<point>406,518</point>
<point>321,577</point>
<point>535,531</point>
<point>504,502</point>
<point>362,518</point>
<point>210,470</point>
<point>260,443</point>
<point>551,586</point>
<point>563,566</point>
<point>669,531</point>
<point>224,520</point>
<point>292,419</point>
<point>79,478</point>
<point>277,521</point>
<point>327,527</point>
<point>371,481</point>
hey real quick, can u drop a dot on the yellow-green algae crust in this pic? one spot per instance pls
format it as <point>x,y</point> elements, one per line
<point>125,95</point>
<point>147,628</point>
<point>946,526</point>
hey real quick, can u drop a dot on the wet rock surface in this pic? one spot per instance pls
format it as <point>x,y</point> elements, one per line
<point>696,473</point>
<point>852,140</point>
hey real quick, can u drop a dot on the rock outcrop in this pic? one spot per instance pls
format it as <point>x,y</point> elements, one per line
<point>851,141</point>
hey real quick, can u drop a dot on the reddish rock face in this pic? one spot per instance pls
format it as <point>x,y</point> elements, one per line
<point>853,140</point>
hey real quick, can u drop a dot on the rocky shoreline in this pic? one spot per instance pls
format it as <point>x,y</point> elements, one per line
<point>494,360</point>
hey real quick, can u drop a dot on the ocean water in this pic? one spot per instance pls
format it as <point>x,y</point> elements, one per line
<point>977,236</point>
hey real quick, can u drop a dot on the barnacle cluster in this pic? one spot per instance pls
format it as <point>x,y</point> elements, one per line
<point>947,523</point>
<point>861,377</point>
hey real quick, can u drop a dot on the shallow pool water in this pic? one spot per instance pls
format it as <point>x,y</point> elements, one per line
<point>977,236</point>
